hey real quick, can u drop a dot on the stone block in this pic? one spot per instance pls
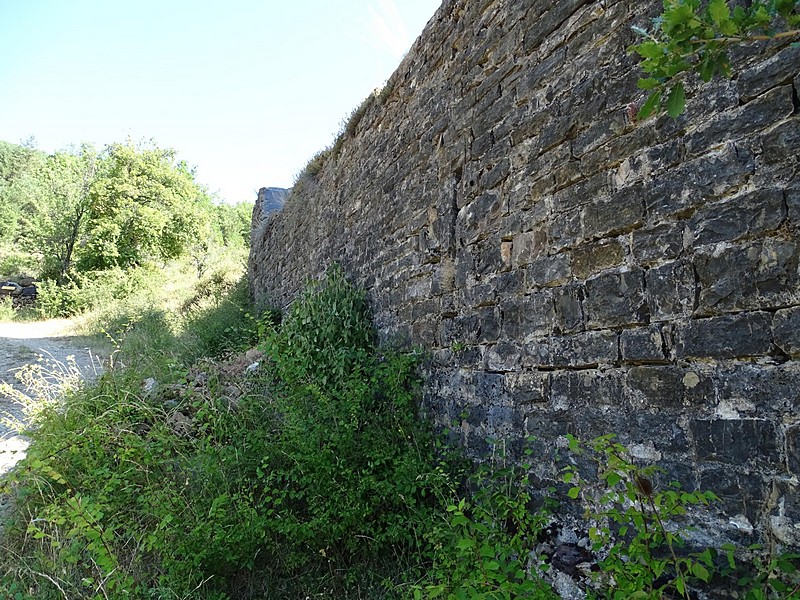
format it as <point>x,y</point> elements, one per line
<point>753,389</point>
<point>779,144</point>
<point>619,213</point>
<point>461,329</point>
<point>659,243</point>
<point>750,214</point>
<point>643,345</point>
<point>425,331</point>
<point>572,390</point>
<point>496,175</point>
<point>592,257</point>
<point>671,291</point>
<point>793,203</point>
<point>503,422</point>
<point>568,301</point>
<point>740,492</point>
<point>582,350</point>
<point>582,192</point>
<point>488,390</point>
<point>529,315</point>
<point>786,331</point>
<point>660,426</point>
<point>489,257</point>
<point>737,442</point>
<point>488,324</point>
<point>616,299</point>
<point>697,181</point>
<point>667,386</point>
<point>422,309</point>
<point>528,246</point>
<point>527,388</point>
<point>766,74</point>
<point>503,357</point>
<point>784,518</point>
<point>733,336</point>
<point>479,294</point>
<point>566,228</point>
<point>472,218</point>
<point>752,275</point>
<point>754,116</point>
<point>793,449</point>
<point>548,271</point>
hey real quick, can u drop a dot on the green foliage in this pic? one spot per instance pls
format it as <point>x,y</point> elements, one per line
<point>145,206</point>
<point>694,36</point>
<point>322,471</point>
<point>327,334</point>
<point>227,324</point>
<point>77,217</point>
<point>6,310</point>
<point>641,533</point>
<point>484,546</point>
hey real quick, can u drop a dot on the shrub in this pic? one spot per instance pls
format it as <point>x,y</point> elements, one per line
<point>323,470</point>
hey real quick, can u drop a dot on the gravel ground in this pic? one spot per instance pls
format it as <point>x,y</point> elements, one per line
<point>52,346</point>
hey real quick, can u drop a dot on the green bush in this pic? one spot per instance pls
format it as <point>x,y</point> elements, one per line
<point>484,546</point>
<point>318,480</point>
<point>7,312</point>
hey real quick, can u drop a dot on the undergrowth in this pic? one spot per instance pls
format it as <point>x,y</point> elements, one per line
<point>308,474</point>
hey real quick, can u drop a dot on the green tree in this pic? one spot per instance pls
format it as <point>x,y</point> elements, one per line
<point>233,222</point>
<point>19,185</point>
<point>65,180</point>
<point>145,206</point>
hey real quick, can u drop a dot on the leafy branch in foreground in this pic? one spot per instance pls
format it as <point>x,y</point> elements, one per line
<point>693,36</point>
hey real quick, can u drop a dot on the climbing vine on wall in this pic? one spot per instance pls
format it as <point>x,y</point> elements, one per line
<point>693,36</point>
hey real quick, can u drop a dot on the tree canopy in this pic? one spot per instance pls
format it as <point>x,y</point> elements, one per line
<point>80,210</point>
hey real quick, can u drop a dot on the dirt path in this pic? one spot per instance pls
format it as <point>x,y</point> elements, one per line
<point>58,353</point>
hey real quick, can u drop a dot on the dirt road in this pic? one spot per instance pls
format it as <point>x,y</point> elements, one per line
<point>49,347</point>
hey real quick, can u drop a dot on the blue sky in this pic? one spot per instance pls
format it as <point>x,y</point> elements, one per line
<point>245,90</point>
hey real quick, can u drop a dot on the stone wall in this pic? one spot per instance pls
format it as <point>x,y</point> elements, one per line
<point>570,269</point>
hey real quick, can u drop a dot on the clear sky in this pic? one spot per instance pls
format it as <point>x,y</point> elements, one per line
<point>245,90</point>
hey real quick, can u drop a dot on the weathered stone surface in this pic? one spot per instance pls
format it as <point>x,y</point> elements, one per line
<point>587,349</point>
<point>569,268</point>
<point>736,442</point>
<point>592,257</point>
<point>754,275</point>
<point>746,334</point>
<point>503,357</point>
<point>643,344</point>
<point>793,449</point>
<point>786,330</point>
<point>568,302</point>
<point>530,315</point>
<point>780,68</point>
<point>666,386</point>
<point>528,388</point>
<point>657,244</point>
<point>671,291</point>
<point>616,299</point>
<point>750,214</point>
<point>774,105</point>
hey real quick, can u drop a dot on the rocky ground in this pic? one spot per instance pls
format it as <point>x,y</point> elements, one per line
<point>49,351</point>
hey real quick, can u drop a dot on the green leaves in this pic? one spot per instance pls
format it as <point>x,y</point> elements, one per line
<point>691,37</point>
<point>650,106</point>
<point>719,12</point>
<point>676,101</point>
